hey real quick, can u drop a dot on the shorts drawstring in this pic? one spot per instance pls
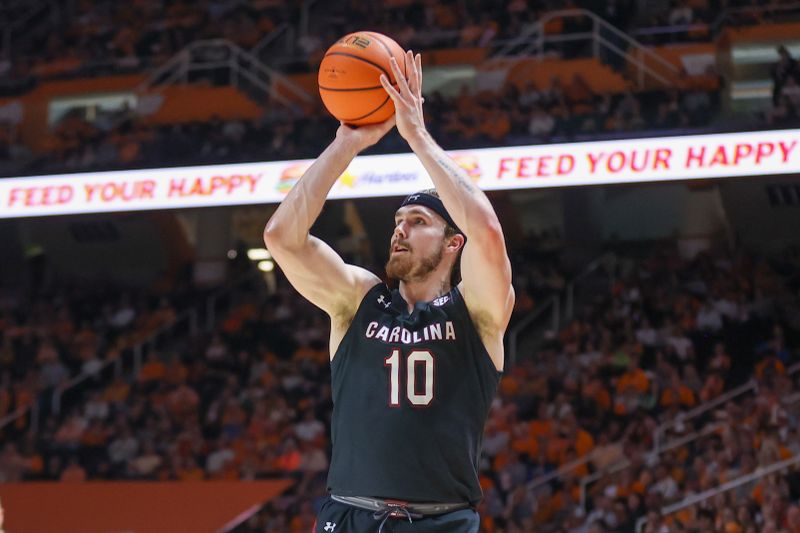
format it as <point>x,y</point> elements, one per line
<point>384,515</point>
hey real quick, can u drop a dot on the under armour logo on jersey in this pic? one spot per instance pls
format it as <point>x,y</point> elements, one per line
<point>329,526</point>
<point>413,198</point>
<point>440,301</point>
<point>382,301</point>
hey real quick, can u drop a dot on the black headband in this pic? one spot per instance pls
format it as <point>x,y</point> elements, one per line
<point>431,202</point>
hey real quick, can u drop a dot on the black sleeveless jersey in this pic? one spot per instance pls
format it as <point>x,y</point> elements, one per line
<point>411,394</point>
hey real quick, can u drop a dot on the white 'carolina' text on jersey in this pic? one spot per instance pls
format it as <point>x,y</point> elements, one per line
<point>432,332</point>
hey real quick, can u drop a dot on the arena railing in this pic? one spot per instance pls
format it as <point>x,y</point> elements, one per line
<point>9,27</point>
<point>627,463</point>
<point>681,418</point>
<point>136,354</point>
<point>673,32</point>
<point>33,408</point>
<point>243,68</point>
<point>603,35</point>
<point>305,15</point>
<point>728,12</point>
<point>189,318</point>
<point>284,37</point>
<point>606,260</point>
<point>657,450</point>
<point>694,499</point>
<point>554,306</point>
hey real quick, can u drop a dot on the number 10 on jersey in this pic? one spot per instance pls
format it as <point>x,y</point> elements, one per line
<point>417,361</point>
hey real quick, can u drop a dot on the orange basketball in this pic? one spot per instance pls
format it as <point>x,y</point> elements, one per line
<point>349,77</point>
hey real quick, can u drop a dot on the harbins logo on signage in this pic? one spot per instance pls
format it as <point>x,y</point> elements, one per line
<point>518,167</point>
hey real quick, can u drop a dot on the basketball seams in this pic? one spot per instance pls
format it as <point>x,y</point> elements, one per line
<point>378,37</point>
<point>353,56</point>
<point>368,114</point>
<point>377,108</point>
<point>343,90</point>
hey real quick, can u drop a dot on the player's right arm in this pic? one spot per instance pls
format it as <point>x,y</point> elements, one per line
<point>311,266</point>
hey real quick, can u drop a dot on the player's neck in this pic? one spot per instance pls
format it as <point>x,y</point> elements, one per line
<point>424,290</point>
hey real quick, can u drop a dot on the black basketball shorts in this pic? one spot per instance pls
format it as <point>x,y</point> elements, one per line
<point>336,517</point>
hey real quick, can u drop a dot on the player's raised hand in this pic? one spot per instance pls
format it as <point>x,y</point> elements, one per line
<point>363,137</point>
<point>407,97</point>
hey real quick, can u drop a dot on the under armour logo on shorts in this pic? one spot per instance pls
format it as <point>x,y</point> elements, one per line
<point>329,526</point>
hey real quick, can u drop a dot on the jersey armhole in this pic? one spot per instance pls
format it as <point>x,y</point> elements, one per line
<point>346,337</point>
<point>458,297</point>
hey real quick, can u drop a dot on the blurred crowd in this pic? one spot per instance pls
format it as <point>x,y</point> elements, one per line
<point>528,115</point>
<point>98,37</point>
<point>48,340</point>
<point>101,36</point>
<point>251,399</point>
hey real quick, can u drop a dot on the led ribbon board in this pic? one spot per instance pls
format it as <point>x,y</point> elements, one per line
<point>518,167</point>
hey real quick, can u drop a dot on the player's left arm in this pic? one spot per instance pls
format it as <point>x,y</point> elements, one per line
<point>485,267</point>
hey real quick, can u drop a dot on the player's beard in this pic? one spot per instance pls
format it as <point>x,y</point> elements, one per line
<point>403,266</point>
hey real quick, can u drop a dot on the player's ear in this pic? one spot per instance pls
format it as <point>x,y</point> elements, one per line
<point>455,242</point>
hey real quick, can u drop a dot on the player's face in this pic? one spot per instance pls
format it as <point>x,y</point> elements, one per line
<point>417,243</point>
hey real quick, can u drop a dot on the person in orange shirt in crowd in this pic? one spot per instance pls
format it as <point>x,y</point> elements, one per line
<point>634,379</point>
<point>74,472</point>
<point>188,470</point>
<point>289,459</point>
<point>676,393</point>
<point>153,370</point>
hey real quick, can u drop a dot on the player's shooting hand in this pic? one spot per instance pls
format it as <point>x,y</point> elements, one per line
<point>407,97</point>
<point>362,137</point>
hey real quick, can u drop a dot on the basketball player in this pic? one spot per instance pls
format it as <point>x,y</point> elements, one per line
<point>415,369</point>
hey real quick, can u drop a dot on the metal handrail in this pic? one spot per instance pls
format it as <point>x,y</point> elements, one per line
<point>10,417</point>
<point>668,29</point>
<point>616,467</point>
<point>570,288</point>
<point>720,20</point>
<point>658,433</point>
<point>694,499</point>
<point>601,22</point>
<point>305,16</point>
<point>273,36</point>
<point>553,302</point>
<point>9,27</point>
<point>627,463</point>
<point>560,471</point>
<point>535,38</point>
<point>59,390</point>
<point>242,64</point>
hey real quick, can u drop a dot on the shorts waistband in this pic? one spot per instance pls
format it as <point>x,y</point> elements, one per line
<point>416,508</point>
